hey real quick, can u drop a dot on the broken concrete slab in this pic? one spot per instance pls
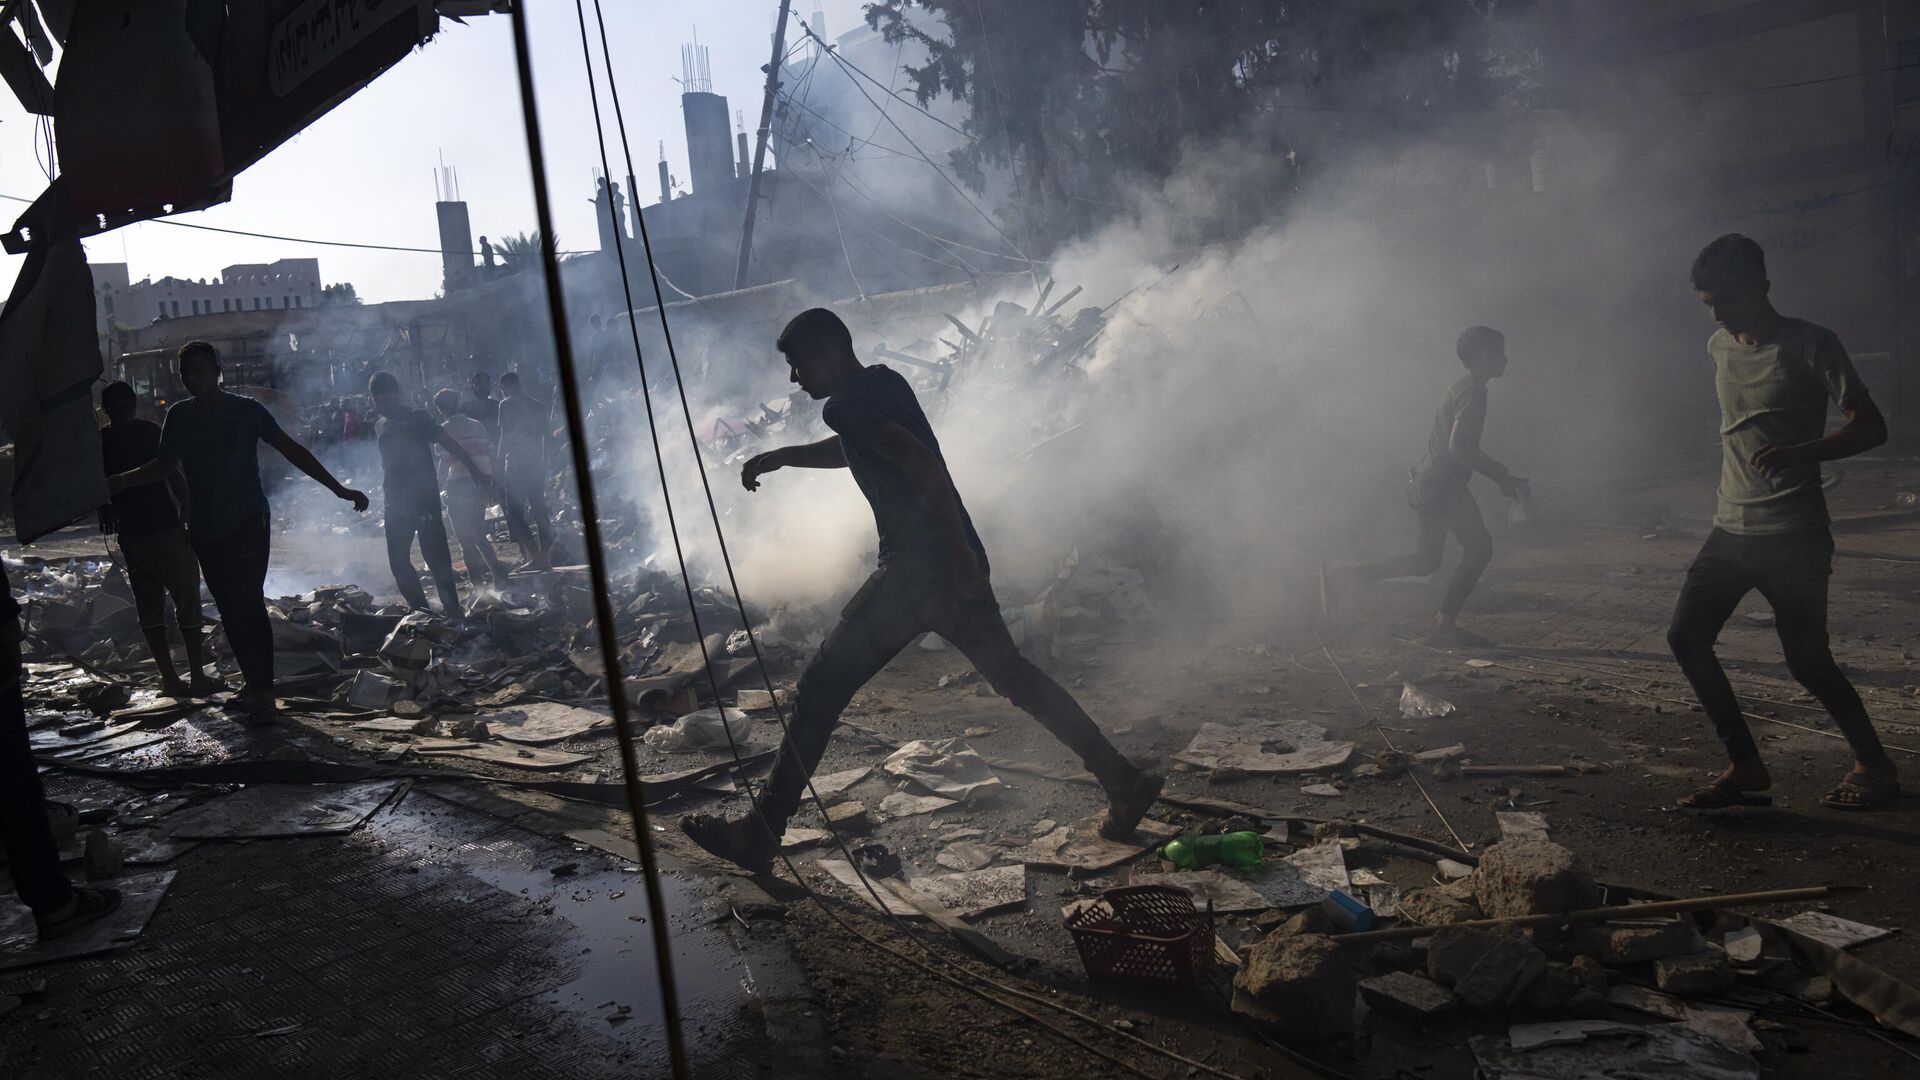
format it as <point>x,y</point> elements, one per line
<point>1406,995</point>
<point>1607,1051</point>
<point>795,838</point>
<point>1453,951</point>
<point>518,757</point>
<point>1304,877</point>
<point>1834,930</point>
<point>900,804</point>
<point>1639,944</point>
<point>835,783</point>
<point>264,811</point>
<point>1305,979</point>
<point>1265,746</point>
<point>965,855</point>
<point>1502,975</point>
<point>977,893</point>
<point>1228,895</point>
<point>849,878</point>
<point>1437,906</point>
<point>1699,973</point>
<point>1521,824</point>
<point>539,722</point>
<point>1744,946</point>
<point>1083,850</point>
<point>847,817</point>
<point>1532,877</point>
<point>948,768</point>
<point>140,895</point>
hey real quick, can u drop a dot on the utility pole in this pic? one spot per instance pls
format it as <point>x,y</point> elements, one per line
<point>760,143</point>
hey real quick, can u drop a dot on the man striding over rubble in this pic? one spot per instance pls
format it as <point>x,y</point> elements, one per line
<point>1774,376</point>
<point>1439,491</point>
<point>933,576</point>
<point>213,438</point>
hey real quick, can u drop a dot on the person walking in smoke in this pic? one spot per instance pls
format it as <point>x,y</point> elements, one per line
<point>933,575</point>
<point>212,437</point>
<point>407,438</point>
<point>1439,491</point>
<point>153,544</point>
<point>1774,376</point>
<point>522,470</point>
<point>467,496</point>
<point>482,406</point>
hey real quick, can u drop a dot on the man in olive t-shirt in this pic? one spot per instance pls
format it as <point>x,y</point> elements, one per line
<point>1774,376</point>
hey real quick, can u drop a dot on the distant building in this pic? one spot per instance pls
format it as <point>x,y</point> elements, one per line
<point>282,284</point>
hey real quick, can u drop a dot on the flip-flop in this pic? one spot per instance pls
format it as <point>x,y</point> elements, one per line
<point>1723,795</point>
<point>1865,796</point>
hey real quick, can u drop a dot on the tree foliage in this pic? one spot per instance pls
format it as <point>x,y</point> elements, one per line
<point>1076,97</point>
<point>340,292</point>
<point>521,251</point>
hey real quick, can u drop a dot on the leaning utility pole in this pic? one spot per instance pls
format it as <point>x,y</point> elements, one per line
<point>760,143</point>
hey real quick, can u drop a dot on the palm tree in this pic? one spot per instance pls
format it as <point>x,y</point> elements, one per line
<point>522,250</point>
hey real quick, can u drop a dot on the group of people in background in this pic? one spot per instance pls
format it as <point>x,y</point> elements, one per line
<point>188,504</point>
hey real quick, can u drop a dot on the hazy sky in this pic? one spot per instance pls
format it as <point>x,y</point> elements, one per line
<point>364,172</point>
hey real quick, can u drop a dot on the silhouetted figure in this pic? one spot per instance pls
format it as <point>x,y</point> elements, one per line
<point>933,576</point>
<point>1774,376</point>
<point>1438,490</point>
<point>468,498</point>
<point>523,473</point>
<point>213,437</point>
<point>411,497</point>
<point>153,544</point>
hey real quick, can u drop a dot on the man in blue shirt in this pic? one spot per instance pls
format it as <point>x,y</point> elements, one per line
<point>212,437</point>
<point>932,577</point>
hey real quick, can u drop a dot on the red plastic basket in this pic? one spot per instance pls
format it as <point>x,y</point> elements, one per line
<point>1147,933</point>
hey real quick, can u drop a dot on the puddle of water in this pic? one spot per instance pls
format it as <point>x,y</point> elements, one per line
<point>614,989</point>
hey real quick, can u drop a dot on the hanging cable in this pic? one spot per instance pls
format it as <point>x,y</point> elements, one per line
<point>596,558</point>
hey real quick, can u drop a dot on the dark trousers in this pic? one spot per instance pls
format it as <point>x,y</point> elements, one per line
<point>891,611</point>
<point>406,519</point>
<point>32,855</point>
<point>1452,510</point>
<point>234,567</point>
<point>524,502</point>
<point>1791,571</point>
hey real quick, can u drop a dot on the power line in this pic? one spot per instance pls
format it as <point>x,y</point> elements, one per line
<point>846,63</point>
<point>291,239</point>
<point>1569,106</point>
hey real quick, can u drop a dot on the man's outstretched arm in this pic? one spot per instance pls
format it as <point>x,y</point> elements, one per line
<point>153,471</point>
<point>1865,429</point>
<point>825,454</point>
<point>1464,444</point>
<point>303,459</point>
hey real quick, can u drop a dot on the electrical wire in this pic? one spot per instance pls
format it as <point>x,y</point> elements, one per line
<point>766,677</point>
<point>1382,732</point>
<point>855,68</point>
<point>596,557</point>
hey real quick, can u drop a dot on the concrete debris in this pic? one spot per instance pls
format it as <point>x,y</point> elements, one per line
<point>1305,979</point>
<point>1228,895</point>
<point>1521,824</point>
<point>1502,975</point>
<point>1699,973</point>
<point>1442,906</point>
<point>1532,877</point>
<point>1449,870</point>
<point>847,817</point>
<point>1833,930</point>
<point>1440,754</point>
<point>900,804</point>
<point>1418,704</point>
<point>836,783</point>
<point>948,768</point>
<point>1265,746</point>
<point>1744,946</point>
<point>709,731</point>
<point>965,855</point>
<point>1324,791</point>
<point>1603,1050</point>
<point>1639,943</point>
<point>1406,995</point>
<point>795,838</point>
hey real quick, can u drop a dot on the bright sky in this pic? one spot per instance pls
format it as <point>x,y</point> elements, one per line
<point>364,172</point>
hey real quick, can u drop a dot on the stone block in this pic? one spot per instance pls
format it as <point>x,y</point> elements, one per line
<point>1502,976</point>
<point>1406,995</point>
<point>1435,907</point>
<point>1532,877</point>
<point>1701,973</point>
<point>1304,978</point>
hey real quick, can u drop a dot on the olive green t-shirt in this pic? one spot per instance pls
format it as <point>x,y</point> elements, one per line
<point>1776,393</point>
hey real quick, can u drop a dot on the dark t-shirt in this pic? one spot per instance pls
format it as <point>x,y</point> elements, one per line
<point>872,398</point>
<point>406,439</point>
<point>217,447</point>
<point>149,508</point>
<point>1465,407</point>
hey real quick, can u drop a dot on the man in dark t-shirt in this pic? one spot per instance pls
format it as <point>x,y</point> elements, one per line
<point>1439,491</point>
<point>212,438</point>
<point>932,577</point>
<point>153,544</point>
<point>406,437</point>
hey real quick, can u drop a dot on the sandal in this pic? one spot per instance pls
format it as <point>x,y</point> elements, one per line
<point>89,906</point>
<point>1722,795</point>
<point>1851,795</point>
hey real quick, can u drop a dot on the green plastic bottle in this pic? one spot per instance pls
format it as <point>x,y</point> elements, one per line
<point>1240,850</point>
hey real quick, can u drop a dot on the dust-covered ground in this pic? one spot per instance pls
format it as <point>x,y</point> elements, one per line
<point>1579,598</point>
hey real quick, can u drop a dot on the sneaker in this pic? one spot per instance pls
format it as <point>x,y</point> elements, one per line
<point>743,841</point>
<point>1125,808</point>
<point>259,708</point>
<point>88,906</point>
<point>203,687</point>
<point>175,689</point>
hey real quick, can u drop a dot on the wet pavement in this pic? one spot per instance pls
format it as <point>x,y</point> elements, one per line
<point>434,941</point>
